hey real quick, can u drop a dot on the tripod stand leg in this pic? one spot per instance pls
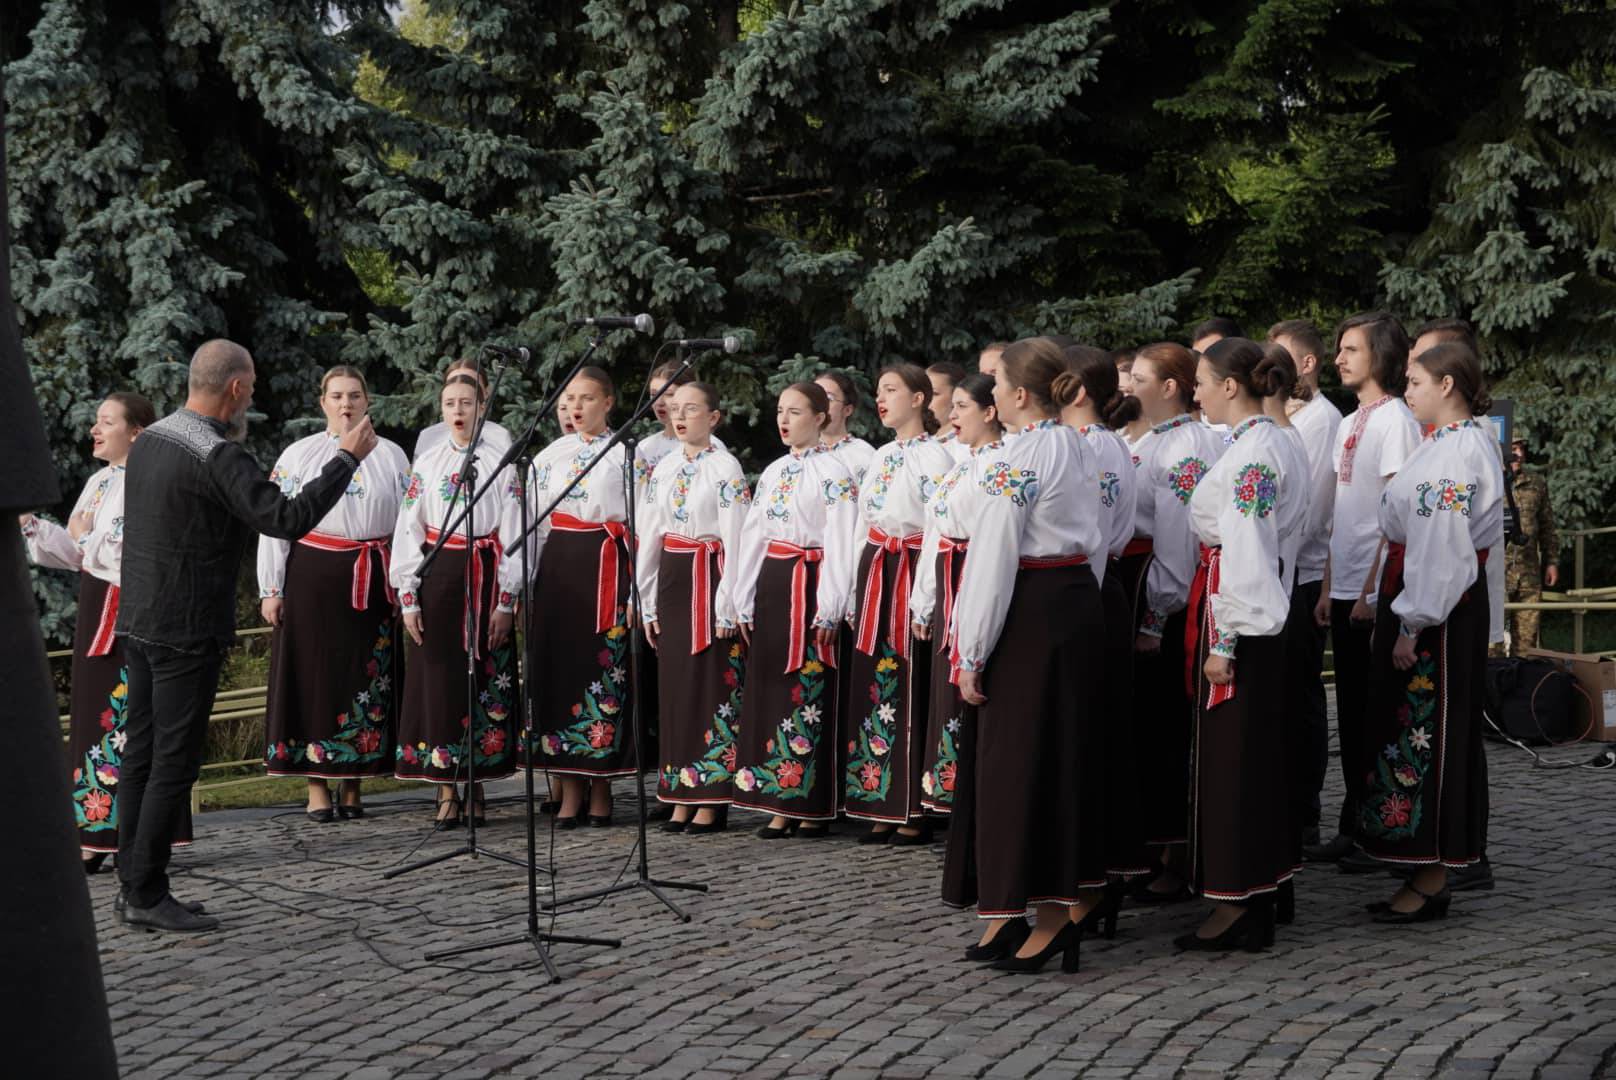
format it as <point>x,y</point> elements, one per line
<point>651,887</point>
<point>463,849</point>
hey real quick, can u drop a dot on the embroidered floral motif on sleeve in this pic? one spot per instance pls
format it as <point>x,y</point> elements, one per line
<point>1110,489</point>
<point>1223,643</point>
<point>733,491</point>
<point>1255,488</point>
<point>279,476</point>
<point>1184,476</point>
<point>449,487</point>
<point>839,490</point>
<point>412,490</point>
<point>1154,623</point>
<point>1443,495</point>
<point>1019,485</point>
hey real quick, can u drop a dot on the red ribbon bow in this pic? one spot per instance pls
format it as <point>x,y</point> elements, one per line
<point>606,583</point>
<point>361,571</point>
<point>874,585</point>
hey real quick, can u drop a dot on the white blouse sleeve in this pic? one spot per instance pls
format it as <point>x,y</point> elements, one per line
<point>840,566</point>
<point>744,561</point>
<point>989,579</point>
<point>1251,600</point>
<point>408,536</point>
<point>51,545</point>
<point>653,526</point>
<point>1167,583</point>
<point>734,506</point>
<point>1439,563</point>
<point>923,594</point>
<point>509,529</point>
<point>272,552</point>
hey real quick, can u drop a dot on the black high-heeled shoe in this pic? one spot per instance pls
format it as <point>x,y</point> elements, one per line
<point>1285,903</point>
<point>769,832</point>
<point>877,836</point>
<point>1103,917</point>
<point>1010,938</point>
<point>803,831</point>
<point>1434,907</point>
<point>674,825</point>
<point>446,822</point>
<point>345,810</point>
<point>564,822</point>
<point>92,865</point>
<point>1252,930</point>
<point>920,838</point>
<point>1068,941</point>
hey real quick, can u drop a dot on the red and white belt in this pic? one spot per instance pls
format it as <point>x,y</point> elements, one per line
<point>874,586</point>
<point>701,605</point>
<point>1026,562</point>
<point>382,546</point>
<point>797,650</point>
<point>606,577</point>
<point>101,644</point>
<point>1204,587</point>
<point>474,569</point>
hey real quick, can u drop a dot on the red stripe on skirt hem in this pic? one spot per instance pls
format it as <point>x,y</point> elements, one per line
<point>692,802</point>
<point>482,777</point>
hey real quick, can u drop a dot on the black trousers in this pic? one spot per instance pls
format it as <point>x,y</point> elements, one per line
<point>170,696</point>
<point>1309,732</point>
<point>1350,643</point>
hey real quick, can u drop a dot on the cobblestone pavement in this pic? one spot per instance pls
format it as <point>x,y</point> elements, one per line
<point>812,959</point>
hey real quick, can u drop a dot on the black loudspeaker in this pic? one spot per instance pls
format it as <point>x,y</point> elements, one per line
<point>1531,700</point>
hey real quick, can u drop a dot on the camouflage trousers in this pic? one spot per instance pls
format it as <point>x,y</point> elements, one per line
<point>1523,584</point>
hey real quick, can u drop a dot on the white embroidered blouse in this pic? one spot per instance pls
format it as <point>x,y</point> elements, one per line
<point>368,510</point>
<point>808,499</point>
<point>1173,457</point>
<point>99,552</point>
<point>700,498</point>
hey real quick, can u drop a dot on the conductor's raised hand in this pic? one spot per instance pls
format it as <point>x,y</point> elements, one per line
<point>412,625</point>
<point>360,440</point>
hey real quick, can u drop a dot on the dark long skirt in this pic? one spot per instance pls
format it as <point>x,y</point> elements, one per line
<point>1040,785</point>
<point>1124,749</point>
<point>1165,717</point>
<point>945,709</point>
<point>439,738</point>
<point>582,686</point>
<point>700,695</point>
<point>786,748</point>
<point>1425,786</point>
<point>95,734</point>
<point>333,677</point>
<point>1243,842</point>
<point>884,728</point>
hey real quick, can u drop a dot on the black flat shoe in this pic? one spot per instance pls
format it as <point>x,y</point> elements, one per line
<point>1434,907</point>
<point>903,839</point>
<point>769,832</point>
<point>92,865</point>
<point>720,825</point>
<point>1252,930</point>
<point>811,832</point>
<point>321,817</point>
<point>600,821</point>
<point>1011,937</point>
<point>350,813</point>
<point>672,826</point>
<point>1068,941</point>
<point>878,836</point>
<point>567,822</point>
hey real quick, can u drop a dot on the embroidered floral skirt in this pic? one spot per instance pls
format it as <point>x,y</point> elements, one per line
<point>884,727</point>
<point>945,709</point>
<point>700,695</point>
<point>333,672</point>
<point>1242,843</point>
<point>583,720</point>
<point>439,737</point>
<point>786,748</point>
<point>95,736</point>
<point>1125,750</point>
<point>1425,788</point>
<point>1041,818</point>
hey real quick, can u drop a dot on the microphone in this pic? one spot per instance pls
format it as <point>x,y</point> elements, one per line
<point>642,323</point>
<point>518,353</point>
<point>729,344</point>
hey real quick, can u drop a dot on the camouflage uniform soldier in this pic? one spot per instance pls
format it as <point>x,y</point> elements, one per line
<point>1532,564</point>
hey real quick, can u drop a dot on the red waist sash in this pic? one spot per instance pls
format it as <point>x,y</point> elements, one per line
<point>797,650</point>
<point>382,546</point>
<point>606,578</point>
<point>474,570</point>
<point>874,586</point>
<point>101,644</point>
<point>701,607</point>
<point>1204,587</point>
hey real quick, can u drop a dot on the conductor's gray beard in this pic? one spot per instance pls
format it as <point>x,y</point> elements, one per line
<point>236,430</point>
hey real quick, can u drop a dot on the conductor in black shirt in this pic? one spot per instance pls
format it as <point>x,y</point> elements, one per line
<point>193,499</point>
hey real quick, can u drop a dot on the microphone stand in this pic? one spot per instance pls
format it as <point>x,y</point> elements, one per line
<point>642,880</point>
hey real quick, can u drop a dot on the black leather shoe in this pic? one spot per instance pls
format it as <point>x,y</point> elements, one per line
<point>805,831</point>
<point>1431,908</point>
<point>170,915</point>
<point>877,836</point>
<point>769,832</point>
<point>1252,930</point>
<point>1359,862</point>
<point>672,826</point>
<point>1329,852</point>
<point>121,901</point>
<point>323,816</point>
<point>918,839</point>
<point>1068,941</point>
<point>92,865</point>
<point>603,821</point>
<point>716,825</point>
<point>1011,937</point>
